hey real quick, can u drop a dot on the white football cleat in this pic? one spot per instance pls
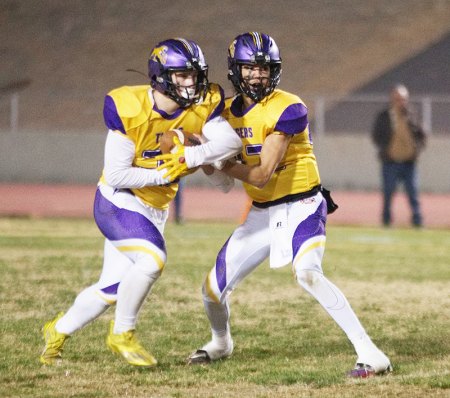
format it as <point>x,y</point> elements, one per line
<point>362,370</point>
<point>371,361</point>
<point>211,352</point>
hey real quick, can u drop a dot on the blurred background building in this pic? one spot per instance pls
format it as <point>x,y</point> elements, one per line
<point>58,59</point>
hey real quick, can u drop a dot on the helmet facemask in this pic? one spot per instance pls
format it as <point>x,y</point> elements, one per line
<point>254,49</point>
<point>184,96</point>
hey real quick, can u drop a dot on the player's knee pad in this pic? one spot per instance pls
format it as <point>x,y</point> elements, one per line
<point>308,278</point>
<point>150,264</point>
<point>211,291</point>
<point>149,269</point>
<point>207,293</point>
<point>316,284</point>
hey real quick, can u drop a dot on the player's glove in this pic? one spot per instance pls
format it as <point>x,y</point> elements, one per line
<point>174,162</point>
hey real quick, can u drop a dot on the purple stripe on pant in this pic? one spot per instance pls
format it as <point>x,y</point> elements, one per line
<point>116,223</point>
<point>221,267</point>
<point>313,225</point>
<point>111,289</point>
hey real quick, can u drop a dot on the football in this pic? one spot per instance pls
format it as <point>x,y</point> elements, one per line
<point>167,143</point>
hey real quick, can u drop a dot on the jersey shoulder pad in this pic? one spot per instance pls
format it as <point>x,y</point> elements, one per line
<point>129,100</point>
<point>229,101</point>
<point>289,112</point>
<point>216,92</point>
<point>214,100</point>
<point>281,97</point>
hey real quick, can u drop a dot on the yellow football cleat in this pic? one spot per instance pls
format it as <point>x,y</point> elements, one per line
<point>54,342</point>
<point>127,345</point>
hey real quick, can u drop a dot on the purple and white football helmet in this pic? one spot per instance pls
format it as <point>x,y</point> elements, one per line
<point>175,55</point>
<point>254,48</point>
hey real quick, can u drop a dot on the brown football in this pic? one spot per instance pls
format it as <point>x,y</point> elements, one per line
<point>187,139</point>
<point>167,144</point>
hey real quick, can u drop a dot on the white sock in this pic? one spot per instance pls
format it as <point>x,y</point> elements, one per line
<point>132,291</point>
<point>334,302</point>
<point>219,315</point>
<point>363,344</point>
<point>87,306</point>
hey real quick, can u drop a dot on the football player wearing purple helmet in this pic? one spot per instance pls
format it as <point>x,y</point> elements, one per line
<point>133,195</point>
<point>172,59</point>
<point>286,223</point>
<point>254,50</point>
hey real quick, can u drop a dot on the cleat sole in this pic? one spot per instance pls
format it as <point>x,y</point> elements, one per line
<point>199,357</point>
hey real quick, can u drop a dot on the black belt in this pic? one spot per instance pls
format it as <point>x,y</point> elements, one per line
<point>294,197</point>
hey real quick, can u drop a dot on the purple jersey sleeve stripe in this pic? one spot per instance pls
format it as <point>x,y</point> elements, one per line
<point>112,119</point>
<point>219,107</point>
<point>116,223</point>
<point>293,120</point>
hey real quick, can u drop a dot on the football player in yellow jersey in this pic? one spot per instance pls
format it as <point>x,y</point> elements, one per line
<point>132,199</point>
<point>286,222</point>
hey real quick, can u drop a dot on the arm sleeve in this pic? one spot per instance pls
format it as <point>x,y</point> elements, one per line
<point>222,143</point>
<point>221,180</point>
<point>119,171</point>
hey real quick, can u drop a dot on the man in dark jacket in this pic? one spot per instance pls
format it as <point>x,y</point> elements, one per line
<point>399,139</point>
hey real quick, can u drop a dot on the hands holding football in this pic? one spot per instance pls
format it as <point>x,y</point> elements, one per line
<point>167,143</point>
<point>172,144</point>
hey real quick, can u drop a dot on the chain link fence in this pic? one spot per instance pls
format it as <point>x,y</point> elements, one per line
<point>329,115</point>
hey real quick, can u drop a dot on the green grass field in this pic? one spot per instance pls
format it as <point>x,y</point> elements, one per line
<point>285,344</point>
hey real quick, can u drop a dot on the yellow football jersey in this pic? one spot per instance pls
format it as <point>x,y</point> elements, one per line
<point>131,111</point>
<point>280,112</point>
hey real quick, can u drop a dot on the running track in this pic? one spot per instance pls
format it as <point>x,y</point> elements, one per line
<point>355,208</point>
